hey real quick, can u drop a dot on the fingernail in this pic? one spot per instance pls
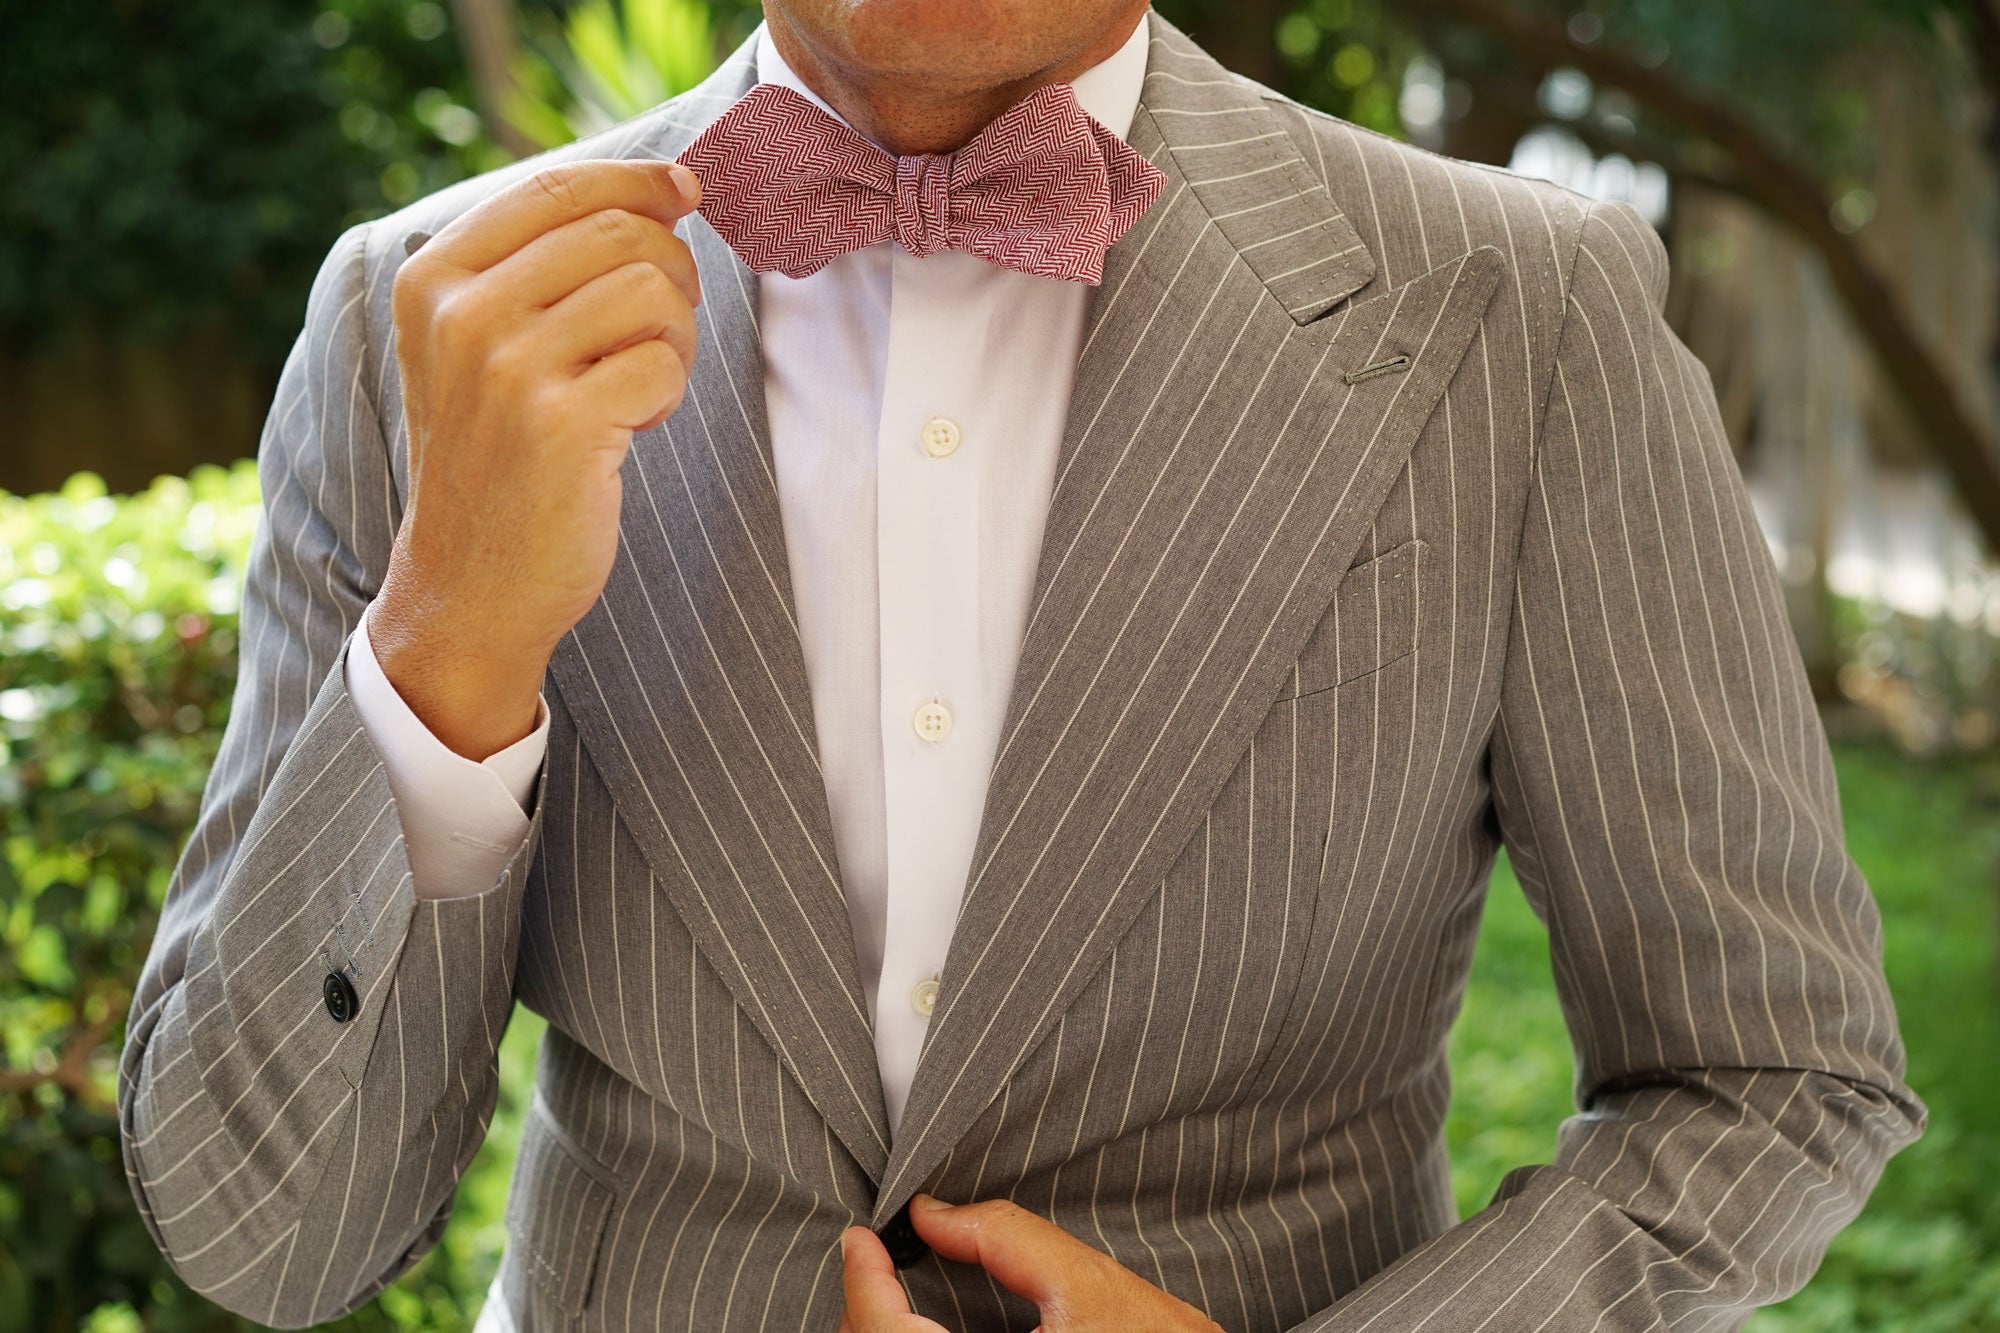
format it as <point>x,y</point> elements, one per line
<point>846,1244</point>
<point>689,186</point>
<point>924,1203</point>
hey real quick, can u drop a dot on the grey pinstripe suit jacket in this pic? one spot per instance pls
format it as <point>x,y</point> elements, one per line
<point>1306,647</point>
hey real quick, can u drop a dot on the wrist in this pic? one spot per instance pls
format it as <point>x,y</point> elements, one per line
<point>475,693</point>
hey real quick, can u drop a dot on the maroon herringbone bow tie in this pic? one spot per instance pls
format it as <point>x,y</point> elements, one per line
<point>1044,189</point>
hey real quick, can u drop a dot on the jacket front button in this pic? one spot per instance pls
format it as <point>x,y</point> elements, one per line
<point>901,1240</point>
<point>341,1001</point>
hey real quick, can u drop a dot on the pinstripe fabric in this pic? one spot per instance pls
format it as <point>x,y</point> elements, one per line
<point>1306,647</point>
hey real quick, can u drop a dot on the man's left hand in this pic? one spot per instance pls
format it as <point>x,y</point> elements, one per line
<point>1077,1289</point>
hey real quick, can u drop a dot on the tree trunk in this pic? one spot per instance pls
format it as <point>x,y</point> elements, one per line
<point>1759,172</point>
<point>488,34</point>
<point>1983,28</point>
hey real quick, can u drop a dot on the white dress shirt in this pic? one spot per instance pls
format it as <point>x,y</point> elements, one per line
<point>916,408</point>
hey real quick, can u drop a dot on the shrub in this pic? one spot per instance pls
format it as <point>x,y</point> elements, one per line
<point>117,658</point>
<point>117,662</point>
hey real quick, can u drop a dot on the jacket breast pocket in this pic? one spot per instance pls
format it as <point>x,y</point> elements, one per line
<point>1370,623</point>
<point>556,1213</point>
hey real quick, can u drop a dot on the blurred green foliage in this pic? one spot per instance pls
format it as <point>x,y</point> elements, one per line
<point>1782,63</point>
<point>118,625</point>
<point>1346,57</point>
<point>1797,72</point>
<point>608,60</point>
<point>169,163</point>
<point>117,659</point>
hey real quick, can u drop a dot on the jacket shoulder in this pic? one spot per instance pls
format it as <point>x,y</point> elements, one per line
<point>1415,208</point>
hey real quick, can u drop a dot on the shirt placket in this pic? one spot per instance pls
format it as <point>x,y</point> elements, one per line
<point>934,729</point>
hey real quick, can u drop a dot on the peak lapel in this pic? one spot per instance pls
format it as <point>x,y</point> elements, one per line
<point>688,685</point>
<point>1217,475</point>
<point>1238,160</point>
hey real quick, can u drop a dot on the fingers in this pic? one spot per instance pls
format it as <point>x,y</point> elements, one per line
<point>637,388</point>
<point>557,263</point>
<point>875,1299</point>
<point>621,309</point>
<point>484,235</point>
<point>1029,1255</point>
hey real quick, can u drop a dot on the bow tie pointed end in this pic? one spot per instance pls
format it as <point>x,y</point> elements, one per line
<point>1044,189</point>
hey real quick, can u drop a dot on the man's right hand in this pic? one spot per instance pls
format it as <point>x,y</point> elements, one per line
<point>535,335</point>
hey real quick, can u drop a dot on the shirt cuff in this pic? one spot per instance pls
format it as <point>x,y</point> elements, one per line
<point>463,820</point>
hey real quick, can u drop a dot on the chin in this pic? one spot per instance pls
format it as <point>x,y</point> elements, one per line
<point>982,42</point>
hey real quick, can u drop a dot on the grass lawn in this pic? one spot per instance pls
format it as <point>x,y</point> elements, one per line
<point>1924,1257</point>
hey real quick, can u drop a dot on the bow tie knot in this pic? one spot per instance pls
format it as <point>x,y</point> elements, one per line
<point>922,217</point>
<point>1044,189</point>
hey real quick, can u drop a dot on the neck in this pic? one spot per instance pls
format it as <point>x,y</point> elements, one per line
<point>910,115</point>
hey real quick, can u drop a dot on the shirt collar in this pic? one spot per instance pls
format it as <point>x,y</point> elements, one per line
<point>1108,90</point>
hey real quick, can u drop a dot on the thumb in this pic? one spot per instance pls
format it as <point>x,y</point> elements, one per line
<point>868,1281</point>
<point>1029,1255</point>
<point>683,190</point>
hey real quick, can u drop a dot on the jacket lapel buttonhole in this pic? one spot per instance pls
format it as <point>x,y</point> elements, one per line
<point>1395,365</point>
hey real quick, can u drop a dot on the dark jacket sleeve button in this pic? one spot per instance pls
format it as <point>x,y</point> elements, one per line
<point>901,1240</point>
<point>341,1001</point>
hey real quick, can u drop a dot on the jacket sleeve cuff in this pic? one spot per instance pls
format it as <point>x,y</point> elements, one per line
<point>463,820</point>
<point>262,1050</point>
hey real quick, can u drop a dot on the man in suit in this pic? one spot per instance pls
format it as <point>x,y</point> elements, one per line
<point>977,682</point>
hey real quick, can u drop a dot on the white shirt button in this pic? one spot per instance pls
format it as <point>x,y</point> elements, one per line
<point>924,996</point>
<point>933,721</point>
<point>941,436</point>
